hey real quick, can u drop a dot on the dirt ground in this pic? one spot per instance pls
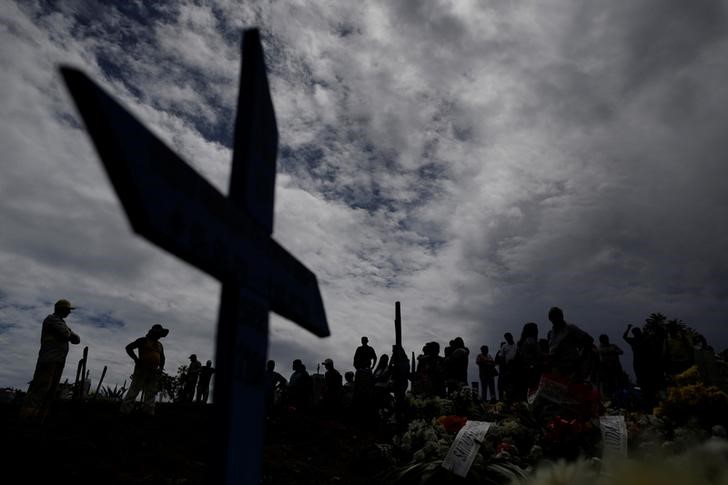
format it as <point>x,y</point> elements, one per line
<point>89,442</point>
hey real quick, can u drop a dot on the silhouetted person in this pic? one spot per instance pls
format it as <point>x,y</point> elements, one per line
<point>400,370</point>
<point>364,394</point>
<point>504,359</point>
<point>500,364</point>
<point>570,348</point>
<point>347,397</point>
<point>54,338</point>
<point>487,373</point>
<point>456,365</point>
<point>193,372</point>
<point>418,378</point>
<point>639,353</point>
<point>543,344</point>
<point>654,365</point>
<point>148,367</point>
<point>528,363</point>
<point>430,370</point>
<point>382,374</point>
<point>610,368</point>
<point>332,386</point>
<point>461,357</point>
<point>274,382</point>
<point>203,382</point>
<point>365,357</point>
<point>678,350</point>
<point>300,386</point>
<point>349,379</point>
<point>448,368</point>
<point>382,384</point>
<point>364,361</point>
<point>399,367</point>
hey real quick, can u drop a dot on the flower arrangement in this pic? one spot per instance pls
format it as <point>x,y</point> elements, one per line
<point>424,440</point>
<point>688,377</point>
<point>707,404</point>
<point>428,407</point>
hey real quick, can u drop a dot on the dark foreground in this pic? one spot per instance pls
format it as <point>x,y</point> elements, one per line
<point>89,442</point>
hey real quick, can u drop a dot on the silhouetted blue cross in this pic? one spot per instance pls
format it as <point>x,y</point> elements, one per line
<point>167,202</point>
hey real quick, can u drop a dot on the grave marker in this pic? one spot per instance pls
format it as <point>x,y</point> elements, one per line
<point>464,449</point>
<point>170,204</point>
<point>398,360</point>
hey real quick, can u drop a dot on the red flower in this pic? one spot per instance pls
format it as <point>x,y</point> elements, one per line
<point>452,424</point>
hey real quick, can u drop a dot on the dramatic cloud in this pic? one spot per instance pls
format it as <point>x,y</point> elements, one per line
<point>478,161</point>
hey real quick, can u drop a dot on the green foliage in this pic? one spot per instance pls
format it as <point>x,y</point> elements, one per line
<point>423,441</point>
<point>655,320</point>
<point>170,387</point>
<point>112,394</point>
<point>658,324</point>
<point>420,407</point>
<point>466,404</point>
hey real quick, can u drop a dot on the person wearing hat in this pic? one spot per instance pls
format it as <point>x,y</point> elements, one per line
<point>193,372</point>
<point>148,367</point>
<point>332,386</point>
<point>54,339</point>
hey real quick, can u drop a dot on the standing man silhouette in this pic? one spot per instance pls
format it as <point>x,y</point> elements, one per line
<point>54,339</point>
<point>203,382</point>
<point>365,357</point>
<point>148,367</point>
<point>193,371</point>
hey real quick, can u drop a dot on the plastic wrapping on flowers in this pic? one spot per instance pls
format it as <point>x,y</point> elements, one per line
<point>422,448</point>
<point>528,439</point>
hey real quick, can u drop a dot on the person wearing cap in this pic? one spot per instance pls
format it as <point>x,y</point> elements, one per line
<point>332,386</point>
<point>54,339</point>
<point>148,367</point>
<point>193,372</point>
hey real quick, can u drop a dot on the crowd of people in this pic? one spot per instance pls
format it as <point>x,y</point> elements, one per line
<point>566,352</point>
<point>146,352</point>
<point>149,363</point>
<point>364,391</point>
<point>379,383</point>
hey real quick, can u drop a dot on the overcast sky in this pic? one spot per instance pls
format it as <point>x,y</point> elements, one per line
<point>480,161</point>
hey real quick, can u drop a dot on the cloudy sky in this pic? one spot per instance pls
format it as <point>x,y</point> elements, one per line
<point>480,161</point>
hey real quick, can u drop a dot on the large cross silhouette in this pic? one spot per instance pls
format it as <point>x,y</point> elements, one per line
<point>170,204</point>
